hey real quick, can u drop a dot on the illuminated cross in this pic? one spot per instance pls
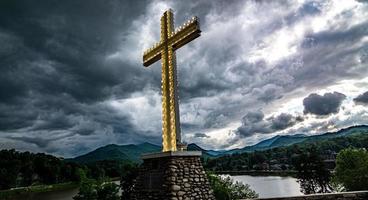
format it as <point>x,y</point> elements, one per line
<point>170,41</point>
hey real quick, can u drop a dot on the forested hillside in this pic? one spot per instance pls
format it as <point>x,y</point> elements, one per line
<point>281,158</point>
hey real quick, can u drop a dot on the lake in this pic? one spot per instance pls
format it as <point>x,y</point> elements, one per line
<point>265,186</point>
<point>271,186</point>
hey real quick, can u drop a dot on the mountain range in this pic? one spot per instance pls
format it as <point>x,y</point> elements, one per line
<point>129,152</point>
<point>133,152</point>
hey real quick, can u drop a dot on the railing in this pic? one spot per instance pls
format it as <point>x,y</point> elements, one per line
<point>357,195</point>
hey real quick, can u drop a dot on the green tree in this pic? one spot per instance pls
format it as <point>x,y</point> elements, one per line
<point>81,175</point>
<point>97,190</point>
<point>21,169</point>
<point>87,190</point>
<point>312,174</point>
<point>26,169</point>
<point>227,189</point>
<point>9,169</point>
<point>108,191</point>
<point>352,169</point>
<point>129,175</point>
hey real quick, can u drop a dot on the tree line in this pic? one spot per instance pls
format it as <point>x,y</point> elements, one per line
<point>284,157</point>
<point>22,169</point>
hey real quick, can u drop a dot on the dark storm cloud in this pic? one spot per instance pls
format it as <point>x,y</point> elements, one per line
<point>207,69</point>
<point>284,121</point>
<point>54,71</point>
<point>362,98</point>
<point>66,67</point>
<point>57,120</point>
<point>268,92</point>
<point>14,117</point>
<point>254,122</point>
<point>64,48</point>
<point>332,66</point>
<point>50,128</point>
<point>309,8</point>
<point>38,141</point>
<point>201,135</point>
<point>323,104</point>
<point>253,117</point>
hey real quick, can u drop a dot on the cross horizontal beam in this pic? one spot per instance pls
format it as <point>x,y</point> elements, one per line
<point>177,39</point>
<point>185,35</point>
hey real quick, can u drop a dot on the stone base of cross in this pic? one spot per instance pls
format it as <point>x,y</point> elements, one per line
<point>172,175</point>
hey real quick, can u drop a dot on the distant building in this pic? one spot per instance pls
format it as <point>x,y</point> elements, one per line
<point>276,167</point>
<point>263,166</point>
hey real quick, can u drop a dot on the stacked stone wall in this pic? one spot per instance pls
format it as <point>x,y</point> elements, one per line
<point>173,178</point>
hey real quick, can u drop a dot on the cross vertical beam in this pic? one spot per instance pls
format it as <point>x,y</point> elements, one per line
<point>170,125</point>
<point>165,50</point>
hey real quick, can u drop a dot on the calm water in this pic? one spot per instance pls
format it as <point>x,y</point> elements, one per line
<point>271,186</point>
<point>57,195</point>
<point>265,186</point>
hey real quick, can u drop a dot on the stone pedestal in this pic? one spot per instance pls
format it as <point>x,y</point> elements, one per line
<point>175,175</point>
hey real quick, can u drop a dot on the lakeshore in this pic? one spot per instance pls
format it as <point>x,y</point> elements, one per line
<point>68,190</point>
<point>290,173</point>
<point>29,192</point>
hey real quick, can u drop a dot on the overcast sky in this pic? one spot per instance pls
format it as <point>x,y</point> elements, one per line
<point>72,79</point>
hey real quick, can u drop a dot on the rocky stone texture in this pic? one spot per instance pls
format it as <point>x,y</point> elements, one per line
<point>172,178</point>
<point>363,195</point>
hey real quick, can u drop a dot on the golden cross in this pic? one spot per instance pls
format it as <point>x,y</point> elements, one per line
<point>170,41</point>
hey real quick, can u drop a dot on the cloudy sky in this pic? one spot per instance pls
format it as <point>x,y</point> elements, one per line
<point>72,79</point>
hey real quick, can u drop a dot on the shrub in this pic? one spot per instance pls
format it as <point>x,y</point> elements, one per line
<point>227,189</point>
<point>97,190</point>
<point>108,191</point>
<point>352,169</point>
<point>129,175</point>
<point>87,190</point>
